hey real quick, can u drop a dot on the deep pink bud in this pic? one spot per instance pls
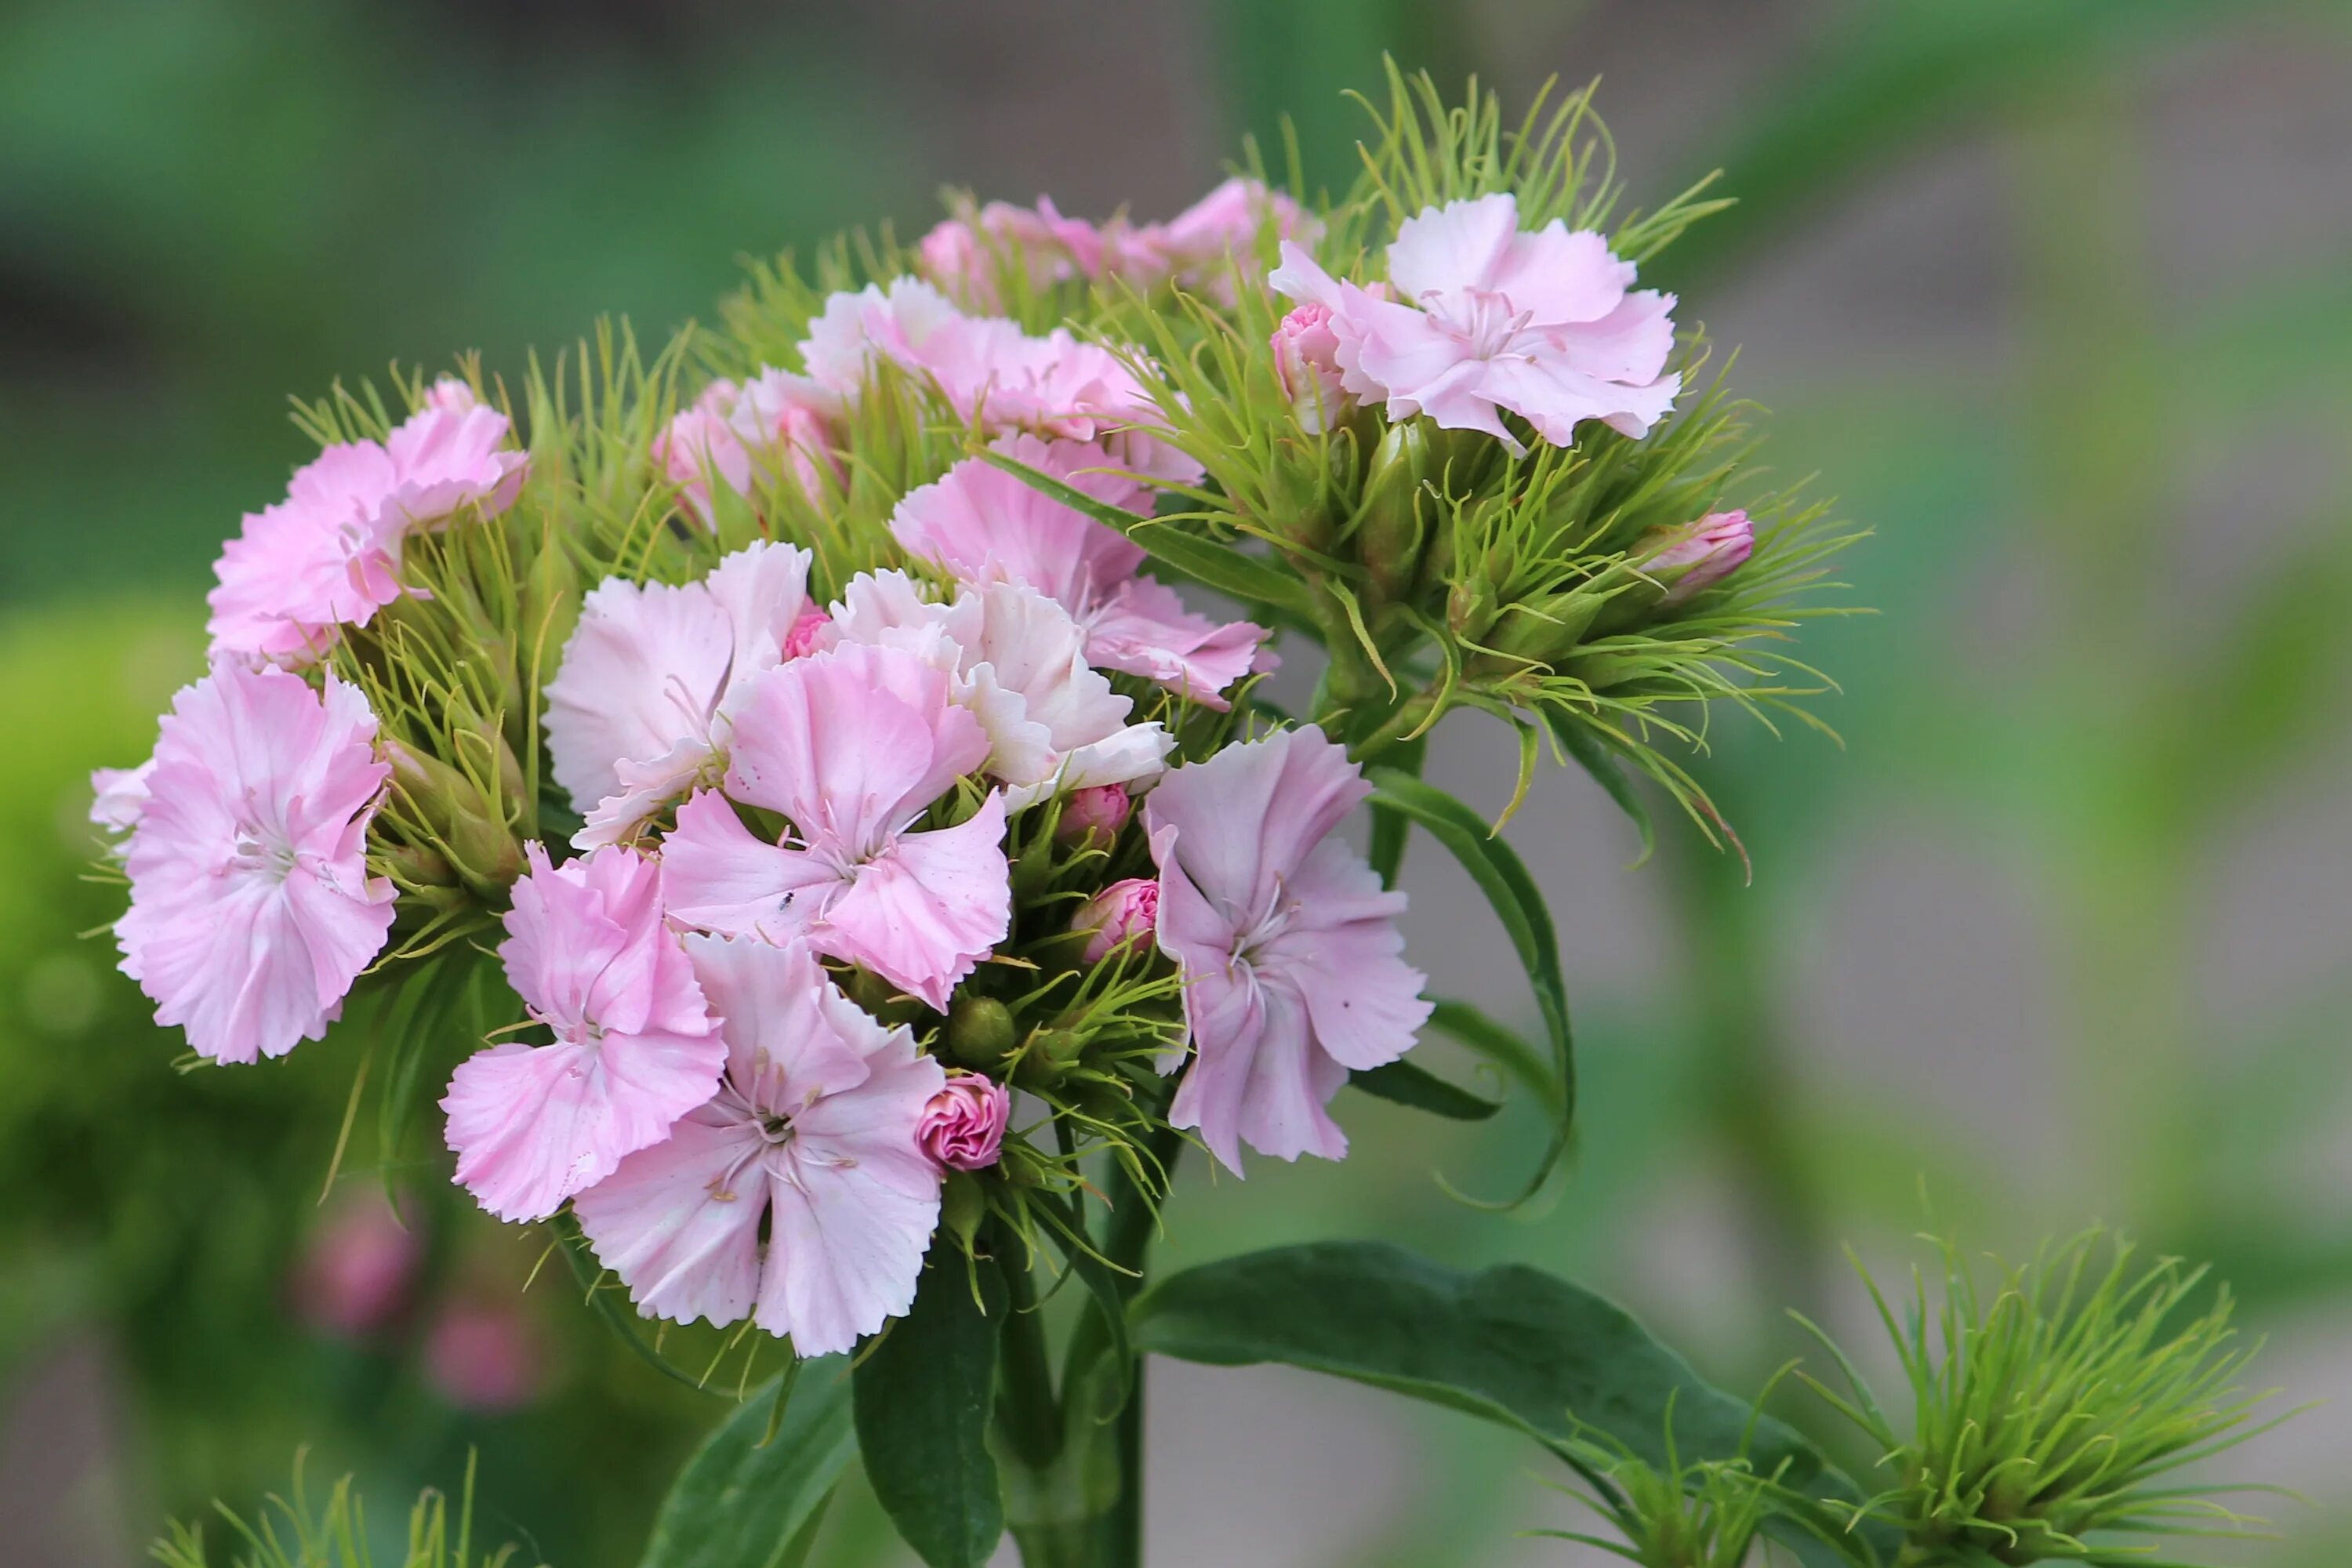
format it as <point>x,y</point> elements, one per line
<point>964,1126</point>
<point>482,1355</point>
<point>1099,809</point>
<point>1306,363</point>
<point>1696,556</point>
<point>355,1271</point>
<point>1121,913</point>
<point>806,634</point>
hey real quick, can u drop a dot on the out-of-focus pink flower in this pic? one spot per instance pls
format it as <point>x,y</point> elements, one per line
<point>698,442</point>
<point>356,1269</point>
<point>1306,363</point>
<point>1696,557</point>
<point>635,1049</point>
<point>484,1356</point>
<point>852,746</point>
<point>1101,811</point>
<point>328,554</point>
<point>749,435</point>
<point>853,331</point>
<point>1205,243</point>
<point>985,525</point>
<point>1287,943</point>
<point>451,396</point>
<point>1118,915</point>
<point>118,796</point>
<point>964,1126</point>
<point>641,710</point>
<point>1543,325</point>
<point>967,254</point>
<point>799,1195</point>
<point>251,909</point>
<point>1019,661</point>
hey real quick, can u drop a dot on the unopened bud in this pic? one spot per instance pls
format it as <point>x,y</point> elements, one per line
<point>1689,560</point>
<point>807,634</point>
<point>1388,529</point>
<point>468,828</point>
<point>1306,363</point>
<point>1098,811</point>
<point>551,609</point>
<point>962,1128</point>
<point>980,1030</point>
<point>963,1206</point>
<point>1119,914</point>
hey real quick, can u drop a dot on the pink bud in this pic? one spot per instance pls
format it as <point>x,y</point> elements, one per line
<point>1121,913</point>
<point>964,1126</point>
<point>451,396</point>
<point>483,1357</point>
<point>1098,809</point>
<point>355,1272</point>
<point>1697,555</point>
<point>807,634</point>
<point>1306,363</point>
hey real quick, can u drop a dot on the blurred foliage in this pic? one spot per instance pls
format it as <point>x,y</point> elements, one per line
<point>208,205</point>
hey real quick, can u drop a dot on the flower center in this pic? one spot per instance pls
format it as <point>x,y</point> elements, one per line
<point>256,852</point>
<point>1482,319</point>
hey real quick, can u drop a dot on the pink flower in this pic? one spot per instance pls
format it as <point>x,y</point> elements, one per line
<point>1117,916</point>
<point>1220,231</point>
<point>634,1048</point>
<point>748,434</point>
<point>1306,363</point>
<point>1489,320</point>
<point>808,633</point>
<point>451,396</point>
<point>356,1269</point>
<point>642,708</point>
<point>985,525</point>
<point>853,331</point>
<point>251,908</point>
<point>118,797</point>
<point>966,254</point>
<point>1696,556</point>
<point>964,1126</point>
<point>852,746</point>
<point>328,554</point>
<point>1019,661</point>
<point>1287,943</point>
<point>483,1355</point>
<point>799,1195</point>
<point>1100,811</point>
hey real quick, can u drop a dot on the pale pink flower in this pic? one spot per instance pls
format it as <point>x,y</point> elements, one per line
<point>1696,556</point>
<point>1117,916</point>
<point>1543,325</point>
<point>451,396</point>
<point>856,329</point>
<point>1288,943</point>
<point>1101,811</point>
<point>698,443</point>
<point>1054,722</point>
<point>357,1267</point>
<point>635,1048</point>
<point>985,525</point>
<point>751,435</point>
<point>964,1126</point>
<point>328,554</point>
<point>799,1195</point>
<point>118,797</point>
<point>643,705</point>
<point>251,907</point>
<point>484,1356</point>
<point>965,254</point>
<point>1202,247</point>
<point>852,746</point>
<point>1306,363</point>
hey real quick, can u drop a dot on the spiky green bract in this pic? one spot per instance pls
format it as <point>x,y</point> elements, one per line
<point>2055,1409</point>
<point>288,1534</point>
<point>1701,1515</point>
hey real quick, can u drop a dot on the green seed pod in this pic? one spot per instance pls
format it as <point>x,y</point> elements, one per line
<point>465,825</point>
<point>980,1031</point>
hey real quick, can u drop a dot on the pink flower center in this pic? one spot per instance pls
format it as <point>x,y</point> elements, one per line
<point>1484,320</point>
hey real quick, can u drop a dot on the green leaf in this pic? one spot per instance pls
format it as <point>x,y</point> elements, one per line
<point>1593,755</point>
<point>747,1500</point>
<point>1503,877</point>
<point>923,1396</point>
<point>1510,1344</point>
<point>1208,562</point>
<point>1389,829</point>
<point>1404,1084</point>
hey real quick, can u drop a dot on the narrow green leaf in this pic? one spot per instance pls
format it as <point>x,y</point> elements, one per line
<point>1503,877</point>
<point>1208,562</point>
<point>1404,1084</point>
<point>1510,1344</point>
<point>1593,755</point>
<point>743,1502</point>
<point>1389,829</point>
<point>923,1395</point>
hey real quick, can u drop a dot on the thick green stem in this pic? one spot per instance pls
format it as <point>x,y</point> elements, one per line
<point>1027,1407</point>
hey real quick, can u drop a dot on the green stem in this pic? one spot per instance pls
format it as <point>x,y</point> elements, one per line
<point>1027,1407</point>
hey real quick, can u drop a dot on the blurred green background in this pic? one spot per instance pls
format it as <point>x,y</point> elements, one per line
<point>2055,294</point>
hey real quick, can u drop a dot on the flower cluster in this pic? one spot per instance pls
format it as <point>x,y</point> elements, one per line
<point>867,838</point>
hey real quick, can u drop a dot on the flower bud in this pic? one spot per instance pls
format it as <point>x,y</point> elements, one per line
<point>964,1206</point>
<point>980,1030</point>
<point>483,1355</point>
<point>451,396</point>
<point>1388,529</point>
<point>356,1269</point>
<point>1306,363</point>
<point>964,1126</point>
<point>807,634</point>
<point>1121,913</point>
<point>1097,811</point>
<point>1689,560</point>
<point>466,826</point>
